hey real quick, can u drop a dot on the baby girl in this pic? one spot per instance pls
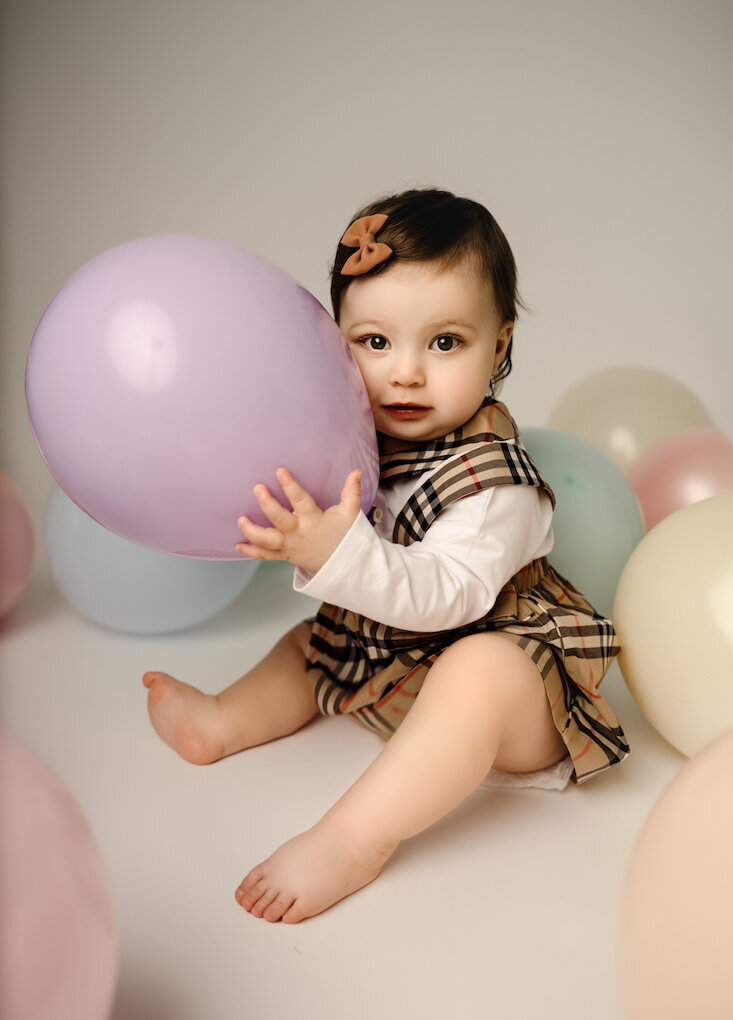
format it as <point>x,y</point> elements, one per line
<point>443,626</point>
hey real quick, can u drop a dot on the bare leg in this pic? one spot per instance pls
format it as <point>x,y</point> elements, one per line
<point>483,703</point>
<point>272,700</point>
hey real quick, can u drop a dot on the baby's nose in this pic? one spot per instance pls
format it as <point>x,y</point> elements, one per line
<point>408,370</point>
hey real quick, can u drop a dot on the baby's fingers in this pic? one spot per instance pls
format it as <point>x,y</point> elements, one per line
<point>273,510</point>
<point>256,552</point>
<point>351,492</point>
<point>266,538</point>
<point>300,500</point>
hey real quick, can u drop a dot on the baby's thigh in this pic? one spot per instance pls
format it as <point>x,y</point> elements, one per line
<point>529,739</point>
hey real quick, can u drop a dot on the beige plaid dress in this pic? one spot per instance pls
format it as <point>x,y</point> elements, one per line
<point>374,672</point>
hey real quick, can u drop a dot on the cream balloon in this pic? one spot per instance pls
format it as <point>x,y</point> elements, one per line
<point>673,614</point>
<point>624,410</point>
<point>674,934</point>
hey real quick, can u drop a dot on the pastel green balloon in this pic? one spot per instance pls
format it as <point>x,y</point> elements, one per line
<point>597,520</point>
<point>127,587</point>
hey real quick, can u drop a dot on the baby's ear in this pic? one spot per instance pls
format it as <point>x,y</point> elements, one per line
<point>502,342</point>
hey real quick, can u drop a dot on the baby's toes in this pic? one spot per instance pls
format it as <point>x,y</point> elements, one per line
<point>294,913</point>
<point>251,889</point>
<point>265,899</point>
<point>158,684</point>
<point>279,906</point>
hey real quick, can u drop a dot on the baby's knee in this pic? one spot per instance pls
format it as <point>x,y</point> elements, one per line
<point>495,667</point>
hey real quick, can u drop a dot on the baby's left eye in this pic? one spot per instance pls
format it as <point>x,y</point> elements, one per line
<point>445,344</point>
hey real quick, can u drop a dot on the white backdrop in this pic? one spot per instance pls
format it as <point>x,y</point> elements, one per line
<point>597,133</point>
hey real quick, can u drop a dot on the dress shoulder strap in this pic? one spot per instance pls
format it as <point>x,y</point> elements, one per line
<point>479,467</point>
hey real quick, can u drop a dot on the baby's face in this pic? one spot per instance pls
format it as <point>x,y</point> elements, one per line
<point>427,344</point>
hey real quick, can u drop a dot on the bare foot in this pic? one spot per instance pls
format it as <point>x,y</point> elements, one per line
<point>186,719</point>
<point>308,874</point>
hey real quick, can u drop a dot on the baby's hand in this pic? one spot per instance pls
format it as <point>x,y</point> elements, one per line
<point>307,536</point>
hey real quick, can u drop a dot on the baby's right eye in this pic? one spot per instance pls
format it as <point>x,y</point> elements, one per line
<point>374,343</point>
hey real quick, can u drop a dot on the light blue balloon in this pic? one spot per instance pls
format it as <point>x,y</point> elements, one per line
<point>597,521</point>
<point>127,587</point>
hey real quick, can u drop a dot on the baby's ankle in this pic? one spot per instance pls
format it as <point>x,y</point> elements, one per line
<point>365,842</point>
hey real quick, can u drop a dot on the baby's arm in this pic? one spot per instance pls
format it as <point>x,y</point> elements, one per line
<point>452,576</point>
<point>306,536</point>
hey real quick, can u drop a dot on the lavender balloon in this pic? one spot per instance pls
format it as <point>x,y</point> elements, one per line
<point>172,373</point>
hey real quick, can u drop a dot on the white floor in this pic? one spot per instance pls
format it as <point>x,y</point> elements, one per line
<point>505,909</point>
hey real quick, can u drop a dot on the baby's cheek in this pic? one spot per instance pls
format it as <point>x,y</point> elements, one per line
<point>369,376</point>
<point>467,392</point>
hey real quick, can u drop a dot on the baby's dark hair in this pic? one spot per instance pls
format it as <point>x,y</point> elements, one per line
<point>430,225</point>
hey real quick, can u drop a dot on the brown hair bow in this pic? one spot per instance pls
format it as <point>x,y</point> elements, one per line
<point>361,235</point>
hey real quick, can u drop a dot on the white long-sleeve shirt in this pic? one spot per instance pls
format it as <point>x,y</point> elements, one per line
<point>452,576</point>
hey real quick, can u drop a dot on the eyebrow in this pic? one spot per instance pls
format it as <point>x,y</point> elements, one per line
<point>364,322</point>
<point>438,324</point>
<point>446,323</point>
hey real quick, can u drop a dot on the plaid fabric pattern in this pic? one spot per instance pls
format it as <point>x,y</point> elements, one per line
<point>374,672</point>
<point>493,463</point>
<point>491,422</point>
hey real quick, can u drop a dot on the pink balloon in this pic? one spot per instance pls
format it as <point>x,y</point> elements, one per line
<point>682,469</point>
<point>16,543</point>
<point>172,373</point>
<point>58,944</point>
